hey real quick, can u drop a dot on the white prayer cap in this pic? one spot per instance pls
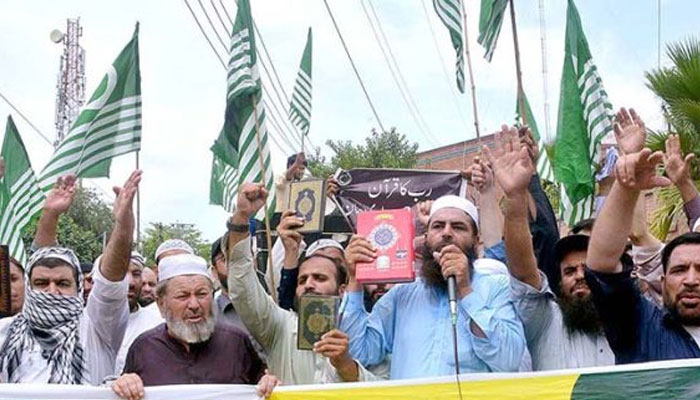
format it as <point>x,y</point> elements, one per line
<point>323,244</point>
<point>182,264</point>
<point>696,225</point>
<point>173,244</point>
<point>460,203</point>
<point>490,266</point>
<point>138,260</point>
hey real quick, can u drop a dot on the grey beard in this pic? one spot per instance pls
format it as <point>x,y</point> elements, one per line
<point>190,333</point>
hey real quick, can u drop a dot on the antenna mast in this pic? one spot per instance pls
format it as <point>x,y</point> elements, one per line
<point>70,89</point>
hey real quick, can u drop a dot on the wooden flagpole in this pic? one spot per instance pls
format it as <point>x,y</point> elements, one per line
<point>268,235</point>
<point>138,204</point>
<point>518,70</point>
<point>471,74</point>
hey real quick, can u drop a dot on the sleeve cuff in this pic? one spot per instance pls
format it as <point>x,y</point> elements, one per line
<point>106,288</point>
<point>241,251</point>
<point>521,289</point>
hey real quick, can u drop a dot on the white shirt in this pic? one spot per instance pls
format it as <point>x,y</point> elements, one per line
<point>694,332</point>
<point>102,327</point>
<point>550,344</point>
<point>140,321</point>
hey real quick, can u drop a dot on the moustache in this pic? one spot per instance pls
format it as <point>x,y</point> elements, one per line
<point>692,293</point>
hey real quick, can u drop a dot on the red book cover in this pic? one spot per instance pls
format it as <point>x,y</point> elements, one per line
<point>391,232</point>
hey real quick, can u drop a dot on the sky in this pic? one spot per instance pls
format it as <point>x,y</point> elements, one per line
<point>183,82</point>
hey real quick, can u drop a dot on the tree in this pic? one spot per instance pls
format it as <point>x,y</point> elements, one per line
<point>84,228</point>
<point>159,232</point>
<point>679,88</point>
<point>388,149</point>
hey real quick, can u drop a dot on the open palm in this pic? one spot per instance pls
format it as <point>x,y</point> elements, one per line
<point>511,162</point>
<point>630,132</point>
<point>61,195</point>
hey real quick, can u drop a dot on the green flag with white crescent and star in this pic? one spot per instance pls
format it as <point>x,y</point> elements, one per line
<point>21,197</point>
<point>490,21</point>
<point>450,13</point>
<point>108,126</point>
<point>544,166</point>
<point>238,149</point>
<point>585,117</point>
<point>300,106</point>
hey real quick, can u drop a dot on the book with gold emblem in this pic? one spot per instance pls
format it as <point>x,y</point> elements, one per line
<point>308,199</point>
<point>5,295</point>
<point>391,232</point>
<point>317,316</point>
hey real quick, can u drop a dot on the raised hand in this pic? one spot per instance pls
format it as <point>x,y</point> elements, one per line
<point>332,186</point>
<point>287,231</point>
<point>482,175</point>
<point>123,209</point>
<point>527,140</point>
<point>677,167</point>
<point>423,209</point>
<point>251,198</point>
<point>61,196</point>
<point>630,132</point>
<point>511,163</point>
<point>637,171</point>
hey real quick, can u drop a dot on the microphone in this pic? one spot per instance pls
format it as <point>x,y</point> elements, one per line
<point>451,292</point>
<point>452,297</point>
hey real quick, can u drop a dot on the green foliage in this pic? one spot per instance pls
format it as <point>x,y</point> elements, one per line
<point>381,150</point>
<point>83,227</point>
<point>679,88</point>
<point>159,232</point>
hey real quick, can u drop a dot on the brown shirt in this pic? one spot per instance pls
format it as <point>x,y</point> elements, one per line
<point>228,357</point>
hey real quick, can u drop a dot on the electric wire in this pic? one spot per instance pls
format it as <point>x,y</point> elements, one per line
<point>21,114</point>
<point>397,67</point>
<point>394,77</point>
<point>352,63</point>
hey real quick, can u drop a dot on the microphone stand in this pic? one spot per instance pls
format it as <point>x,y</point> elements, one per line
<point>452,296</point>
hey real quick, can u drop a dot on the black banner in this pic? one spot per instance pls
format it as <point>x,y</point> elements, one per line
<point>378,189</point>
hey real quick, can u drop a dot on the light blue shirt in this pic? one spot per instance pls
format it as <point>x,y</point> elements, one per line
<point>412,322</point>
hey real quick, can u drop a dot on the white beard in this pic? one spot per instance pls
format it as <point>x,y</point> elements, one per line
<point>190,333</point>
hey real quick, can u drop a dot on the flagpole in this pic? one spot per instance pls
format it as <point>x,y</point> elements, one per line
<point>138,204</point>
<point>518,70</point>
<point>268,236</point>
<point>471,74</point>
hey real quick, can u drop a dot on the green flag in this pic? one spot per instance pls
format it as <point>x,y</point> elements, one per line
<point>300,107</point>
<point>585,117</point>
<point>544,167</point>
<point>450,13</point>
<point>238,146</point>
<point>490,21</point>
<point>108,126</point>
<point>22,198</point>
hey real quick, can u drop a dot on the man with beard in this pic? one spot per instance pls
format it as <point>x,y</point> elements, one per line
<point>191,347</point>
<point>275,328</point>
<point>636,329</point>
<point>562,331</point>
<point>148,290</point>
<point>140,319</point>
<point>413,321</point>
<point>56,339</point>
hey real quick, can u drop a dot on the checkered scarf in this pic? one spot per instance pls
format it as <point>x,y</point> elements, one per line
<point>52,321</point>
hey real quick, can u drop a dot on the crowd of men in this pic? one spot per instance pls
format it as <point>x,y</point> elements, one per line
<point>607,293</point>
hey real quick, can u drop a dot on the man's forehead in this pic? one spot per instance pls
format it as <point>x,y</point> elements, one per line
<point>450,214</point>
<point>57,271</point>
<point>685,254</point>
<point>317,265</point>
<point>188,282</point>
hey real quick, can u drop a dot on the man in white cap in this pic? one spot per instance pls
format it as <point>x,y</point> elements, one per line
<point>172,247</point>
<point>293,244</point>
<point>55,339</point>
<point>191,347</point>
<point>275,328</point>
<point>413,321</point>
<point>141,319</point>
